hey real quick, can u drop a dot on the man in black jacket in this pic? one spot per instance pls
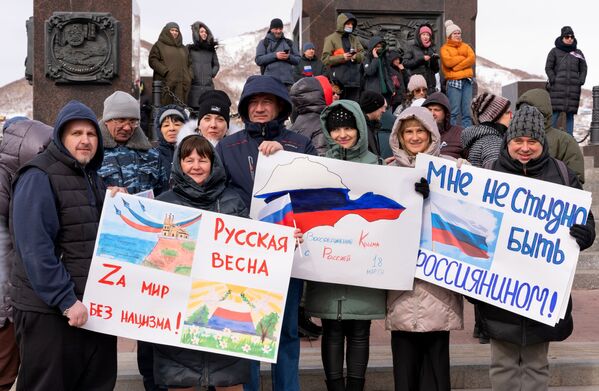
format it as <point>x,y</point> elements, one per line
<point>54,218</point>
<point>309,65</point>
<point>519,345</point>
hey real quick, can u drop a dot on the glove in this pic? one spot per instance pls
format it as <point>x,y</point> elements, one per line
<point>584,235</point>
<point>422,188</point>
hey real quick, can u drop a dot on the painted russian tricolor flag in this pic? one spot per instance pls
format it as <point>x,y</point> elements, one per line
<point>278,211</point>
<point>453,230</point>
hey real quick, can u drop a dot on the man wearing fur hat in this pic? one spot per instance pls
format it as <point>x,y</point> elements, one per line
<point>566,69</point>
<point>457,61</point>
<point>275,54</point>
<point>519,346</point>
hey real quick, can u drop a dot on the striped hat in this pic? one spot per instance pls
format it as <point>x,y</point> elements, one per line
<point>488,107</point>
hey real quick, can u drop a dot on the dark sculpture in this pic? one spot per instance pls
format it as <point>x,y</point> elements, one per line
<point>398,31</point>
<point>81,47</point>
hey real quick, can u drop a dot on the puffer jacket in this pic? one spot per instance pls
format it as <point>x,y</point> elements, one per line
<point>172,65</point>
<point>21,141</point>
<point>266,56</point>
<point>346,72</point>
<point>414,59</point>
<point>451,143</point>
<point>134,165</point>
<point>377,77</point>
<point>483,142</point>
<point>426,307</point>
<point>337,301</point>
<point>566,69</point>
<point>562,145</point>
<point>508,326</point>
<point>204,64</point>
<point>308,98</point>
<point>457,60</point>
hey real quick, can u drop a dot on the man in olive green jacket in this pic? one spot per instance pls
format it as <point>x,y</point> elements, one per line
<point>343,53</point>
<point>562,145</point>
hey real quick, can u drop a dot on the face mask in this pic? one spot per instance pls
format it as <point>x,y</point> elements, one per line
<point>348,29</point>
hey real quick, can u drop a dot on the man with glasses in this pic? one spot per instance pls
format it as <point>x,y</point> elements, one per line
<point>130,165</point>
<point>566,69</point>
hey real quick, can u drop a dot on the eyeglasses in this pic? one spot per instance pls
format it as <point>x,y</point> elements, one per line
<point>568,37</point>
<point>124,121</point>
<point>419,90</point>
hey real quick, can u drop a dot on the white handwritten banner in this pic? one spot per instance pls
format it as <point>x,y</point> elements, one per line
<point>499,238</point>
<point>186,277</point>
<point>361,222</point>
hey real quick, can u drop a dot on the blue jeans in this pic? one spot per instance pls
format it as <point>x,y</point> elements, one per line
<point>460,101</point>
<point>569,121</point>
<point>285,373</point>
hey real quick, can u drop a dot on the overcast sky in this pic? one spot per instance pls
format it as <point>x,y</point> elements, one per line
<point>512,33</point>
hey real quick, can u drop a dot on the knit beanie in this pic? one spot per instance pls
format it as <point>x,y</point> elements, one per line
<point>120,105</point>
<point>425,29</point>
<point>527,122</point>
<point>177,112</point>
<point>214,102</point>
<point>276,23</point>
<point>416,81</point>
<point>450,27</point>
<point>567,30</point>
<point>488,107</point>
<point>371,101</point>
<point>308,45</point>
<point>340,117</point>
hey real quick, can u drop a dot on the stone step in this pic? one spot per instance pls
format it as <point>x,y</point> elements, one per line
<point>589,258</point>
<point>586,280</point>
<point>572,364</point>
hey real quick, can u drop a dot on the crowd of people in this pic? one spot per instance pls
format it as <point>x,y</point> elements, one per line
<point>362,104</point>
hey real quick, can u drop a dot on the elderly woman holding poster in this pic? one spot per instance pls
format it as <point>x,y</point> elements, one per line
<point>519,345</point>
<point>420,319</point>
<point>200,182</point>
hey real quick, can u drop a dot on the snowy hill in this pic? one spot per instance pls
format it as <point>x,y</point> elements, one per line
<point>236,57</point>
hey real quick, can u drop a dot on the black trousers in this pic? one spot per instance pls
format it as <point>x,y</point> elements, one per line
<point>334,335</point>
<point>56,356</point>
<point>421,361</point>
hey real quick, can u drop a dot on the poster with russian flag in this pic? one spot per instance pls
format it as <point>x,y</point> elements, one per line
<point>190,278</point>
<point>361,222</point>
<point>500,238</point>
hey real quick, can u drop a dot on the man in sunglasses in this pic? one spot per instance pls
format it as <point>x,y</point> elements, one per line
<point>566,69</point>
<point>130,163</point>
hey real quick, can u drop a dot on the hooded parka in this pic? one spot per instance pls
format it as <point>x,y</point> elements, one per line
<point>171,63</point>
<point>204,63</point>
<point>337,301</point>
<point>426,307</point>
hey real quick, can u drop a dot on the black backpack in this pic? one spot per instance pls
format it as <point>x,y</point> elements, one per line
<point>289,43</point>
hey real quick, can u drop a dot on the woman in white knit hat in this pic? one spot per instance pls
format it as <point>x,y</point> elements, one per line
<point>457,60</point>
<point>417,93</point>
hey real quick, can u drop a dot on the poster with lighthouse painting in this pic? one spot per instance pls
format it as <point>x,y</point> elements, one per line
<point>186,277</point>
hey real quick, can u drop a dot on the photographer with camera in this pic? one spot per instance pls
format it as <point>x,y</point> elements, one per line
<point>275,54</point>
<point>421,58</point>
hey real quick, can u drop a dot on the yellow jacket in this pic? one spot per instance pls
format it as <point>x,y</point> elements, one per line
<point>457,59</point>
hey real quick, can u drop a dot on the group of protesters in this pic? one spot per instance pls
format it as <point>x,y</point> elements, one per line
<point>53,182</point>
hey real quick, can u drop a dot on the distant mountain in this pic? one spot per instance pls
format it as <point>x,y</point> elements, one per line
<point>236,57</point>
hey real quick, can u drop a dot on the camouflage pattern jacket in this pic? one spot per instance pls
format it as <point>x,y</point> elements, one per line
<point>134,165</point>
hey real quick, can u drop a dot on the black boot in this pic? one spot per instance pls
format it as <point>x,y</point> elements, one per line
<point>335,385</point>
<point>355,384</point>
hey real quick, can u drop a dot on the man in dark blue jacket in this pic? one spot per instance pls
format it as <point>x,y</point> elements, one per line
<point>276,55</point>
<point>55,214</point>
<point>264,106</point>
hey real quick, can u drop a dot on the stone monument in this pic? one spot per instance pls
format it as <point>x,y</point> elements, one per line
<point>313,20</point>
<point>82,50</point>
